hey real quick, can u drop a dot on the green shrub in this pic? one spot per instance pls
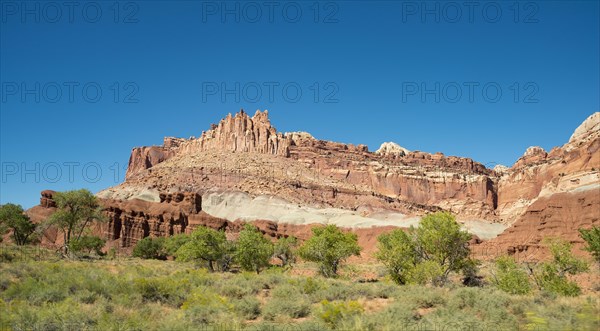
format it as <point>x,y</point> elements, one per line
<point>150,248</point>
<point>310,285</point>
<point>552,276</point>
<point>286,301</point>
<point>333,312</point>
<point>248,307</point>
<point>592,238</point>
<point>293,307</point>
<point>510,277</point>
<point>87,244</point>
<point>163,290</point>
<point>285,250</point>
<point>553,282</point>
<point>426,272</point>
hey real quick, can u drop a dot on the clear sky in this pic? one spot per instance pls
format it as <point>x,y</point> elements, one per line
<point>84,82</point>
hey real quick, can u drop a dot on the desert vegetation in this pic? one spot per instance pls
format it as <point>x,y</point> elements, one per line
<point>426,279</point>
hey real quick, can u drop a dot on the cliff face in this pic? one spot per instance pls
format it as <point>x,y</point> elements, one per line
<point>243,169</point>
<point>247,154</point>
<point>550,195</point>
<point>556,216</point>
<point>574,166</point>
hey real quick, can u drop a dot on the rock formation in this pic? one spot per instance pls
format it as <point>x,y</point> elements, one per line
<point>239,133</point>
<point>247,171</point>
<point>391,148</point>
<point>299,168</point>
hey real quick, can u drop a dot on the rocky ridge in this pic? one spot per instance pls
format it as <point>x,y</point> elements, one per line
<point>244,170</point>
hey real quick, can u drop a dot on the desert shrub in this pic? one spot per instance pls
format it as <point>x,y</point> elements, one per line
<point>333,312</point>
<point>163,290</point>
<point>425,272</point>
<point>592,239</point>
<point>87,244</point>
<point>338,290</point>
<point>294,307</point>
<point>421,297</point>
<point>253,250</point>
<point>150,248</point>
<point>329,247</point>
<point>511,278</point>
<point>473,308</point>
<point>383,290</point>
<point>552,276</point>
<point>428,253</point>
<point>270,277</point>
<point>287,301</point>
<point>109,295</point>
<point>237,290</point>
<point>248,307</point>
<point>285,250</point>
<point>311,285</point>
<point>203,306</point>
<point>399,315</point>
<point>36,291</point>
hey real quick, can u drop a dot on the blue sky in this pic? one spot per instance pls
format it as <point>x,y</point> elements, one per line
<point>111,76</point>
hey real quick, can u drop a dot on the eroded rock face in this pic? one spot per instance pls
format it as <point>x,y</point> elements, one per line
<point>299,168</point>
<point>574,166</point>
<point>556,216</point>
<point>545,193</point>
<point>239,133</point>
<point>132,220</point>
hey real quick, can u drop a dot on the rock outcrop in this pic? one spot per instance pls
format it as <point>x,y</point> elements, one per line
<point>247,154</point>
<point>239,133</point>
<point>556,216</point>
<point>391,148</point>
<point>297,180</point>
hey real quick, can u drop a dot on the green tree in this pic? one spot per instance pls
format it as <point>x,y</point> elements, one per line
<point>173,243</point>
<point>76,211</point>
<point>13,217</point>
<point>592,238</point>
<point>329,247</point>
<point>428,253</point>
<point>206,244</point>
<point>150,248</point>
<point>285,250</point>
<point>398,252</point>
<point>552,276</point>
<point>253,250</point>
<point>511,278</point>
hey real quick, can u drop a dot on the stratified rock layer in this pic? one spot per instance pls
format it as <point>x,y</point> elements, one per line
<point>542,194</point>
<point>240,133</point>
<point>244,153</point>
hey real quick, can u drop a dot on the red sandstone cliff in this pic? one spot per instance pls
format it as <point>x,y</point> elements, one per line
<point>542,194</point>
